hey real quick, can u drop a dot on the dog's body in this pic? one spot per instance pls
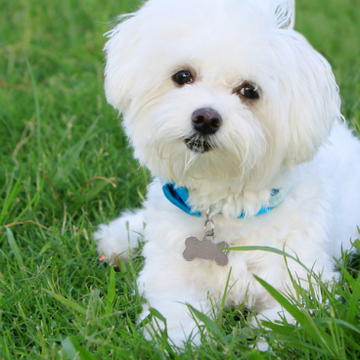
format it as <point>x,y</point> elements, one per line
<point>230,103</point>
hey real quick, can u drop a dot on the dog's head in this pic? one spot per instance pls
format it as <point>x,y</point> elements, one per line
<point>220,90</point>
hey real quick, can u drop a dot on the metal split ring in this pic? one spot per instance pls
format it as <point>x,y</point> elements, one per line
<point>209,224</point>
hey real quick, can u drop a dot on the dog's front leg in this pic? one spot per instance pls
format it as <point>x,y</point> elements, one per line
<point>169,287</point>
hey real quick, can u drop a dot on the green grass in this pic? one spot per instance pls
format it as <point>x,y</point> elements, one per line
<point>65,168</point>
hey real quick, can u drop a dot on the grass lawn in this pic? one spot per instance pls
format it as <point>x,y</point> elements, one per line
<point>65,167</point>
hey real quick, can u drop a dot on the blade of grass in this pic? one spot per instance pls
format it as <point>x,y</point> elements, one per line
<point>111,292</point>
<point>262,248</point>
<point>92,304</point>
<point>357,243</point>
<point>67,302</point>
<point>75,351</point>
<point>71,156</point>
<point>80,199</point>
<point>29,204</point>
<point>10,196</point>
<point>210,324</point>
<point>15,249</point>
<point>339,322</point>
<point>352,344</point>
<point>7,350</point>
<point>302,317</point>
<point>353,308</point>
<point>37,109</point>
<point>157,314</point>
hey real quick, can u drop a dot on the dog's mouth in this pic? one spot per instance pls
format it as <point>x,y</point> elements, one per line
<point>199,144</point>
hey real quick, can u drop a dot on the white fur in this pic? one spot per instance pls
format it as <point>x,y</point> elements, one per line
<point>293,137</point>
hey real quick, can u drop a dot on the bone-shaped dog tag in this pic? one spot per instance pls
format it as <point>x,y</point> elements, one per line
<point>206,249</point>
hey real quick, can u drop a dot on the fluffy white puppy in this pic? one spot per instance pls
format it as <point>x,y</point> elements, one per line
<point>238,119</point>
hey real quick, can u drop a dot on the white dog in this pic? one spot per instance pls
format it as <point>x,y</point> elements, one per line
<point>238,119</point>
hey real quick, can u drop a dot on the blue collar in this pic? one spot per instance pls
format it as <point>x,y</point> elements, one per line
<point>179,197</point>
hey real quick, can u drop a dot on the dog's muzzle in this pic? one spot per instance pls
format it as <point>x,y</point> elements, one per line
<point>205,122</point>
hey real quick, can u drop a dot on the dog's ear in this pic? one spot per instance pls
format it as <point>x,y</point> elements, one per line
<point>312,94</point>
<point>119,69</point>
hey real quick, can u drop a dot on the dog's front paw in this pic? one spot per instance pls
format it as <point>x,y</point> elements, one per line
<point>111,243</point>
<point>177,319</point>
<point>178,331</point>
<point>119,238</point>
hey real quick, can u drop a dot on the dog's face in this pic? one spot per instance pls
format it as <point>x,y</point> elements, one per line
<point>219,90</point>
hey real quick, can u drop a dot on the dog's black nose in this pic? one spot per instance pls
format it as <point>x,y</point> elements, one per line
<point>206,121</point>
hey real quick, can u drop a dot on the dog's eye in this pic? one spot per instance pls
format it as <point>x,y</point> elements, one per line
<point>247,91</point>
<point>183,77</point>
